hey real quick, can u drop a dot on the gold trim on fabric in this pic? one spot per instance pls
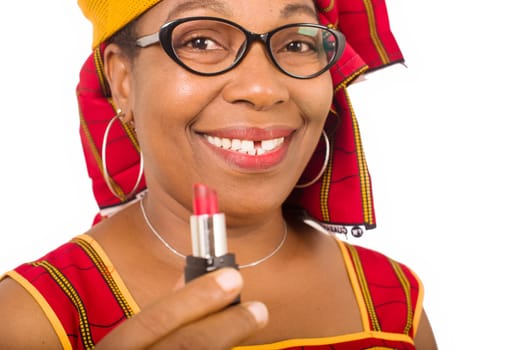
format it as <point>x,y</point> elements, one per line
<point>326,185</point>
<point>119,282</point>
<point>375,324</point>
<point>407,291</point>
<point>373,32</point>
<point>69,290</point>
<point>91,141</point>
<point>328,7</point>
<point>131,135</point>
<point>344,84</point>
<point>99,66</point>
<point>419,306</point>
<point>329,341</point>
<point>46,308</point>
<point>326,178</point>
<point>357,290</point>
<point>365,181</point>
<point>106,274</point>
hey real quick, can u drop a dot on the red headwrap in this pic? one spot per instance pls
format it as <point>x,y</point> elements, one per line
<point>340,199</point>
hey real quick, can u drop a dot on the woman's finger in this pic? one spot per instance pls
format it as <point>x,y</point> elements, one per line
<point>218,331</point>
<point>198,299</point>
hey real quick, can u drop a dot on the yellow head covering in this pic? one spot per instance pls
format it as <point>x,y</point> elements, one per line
<point>109,16</point>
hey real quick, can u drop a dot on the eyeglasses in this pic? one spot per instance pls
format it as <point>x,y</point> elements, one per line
<point>211,46</point>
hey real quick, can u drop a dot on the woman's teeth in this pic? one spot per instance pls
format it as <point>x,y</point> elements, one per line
<point>245,146</point>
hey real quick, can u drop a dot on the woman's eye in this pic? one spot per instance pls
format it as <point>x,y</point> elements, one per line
<point>297,46</point>
<point>300,47</point>
<point>202,44</point>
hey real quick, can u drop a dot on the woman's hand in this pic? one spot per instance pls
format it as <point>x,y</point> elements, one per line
<point>193,317</point>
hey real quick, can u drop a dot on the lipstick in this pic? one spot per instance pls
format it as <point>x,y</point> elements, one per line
<point>208,236</point>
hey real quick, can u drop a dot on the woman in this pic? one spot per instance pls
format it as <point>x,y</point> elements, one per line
<point>189,94</point>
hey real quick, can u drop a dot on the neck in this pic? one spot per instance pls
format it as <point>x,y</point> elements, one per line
<point>252,241</point>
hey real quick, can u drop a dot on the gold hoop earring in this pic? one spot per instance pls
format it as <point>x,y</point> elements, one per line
<point>107,178</point>
<point>324,165</point>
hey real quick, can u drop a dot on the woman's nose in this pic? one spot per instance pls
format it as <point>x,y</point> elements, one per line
<point>256,81</point>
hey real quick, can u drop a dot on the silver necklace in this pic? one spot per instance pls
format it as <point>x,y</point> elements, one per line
<point>177,253</point>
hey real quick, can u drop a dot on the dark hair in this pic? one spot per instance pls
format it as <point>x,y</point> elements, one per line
<point>125,38</point>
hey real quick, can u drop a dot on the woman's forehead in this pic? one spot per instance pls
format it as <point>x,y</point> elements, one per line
<point>231,8</point>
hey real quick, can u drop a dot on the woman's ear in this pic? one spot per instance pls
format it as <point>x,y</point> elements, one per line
<point>117,69</point>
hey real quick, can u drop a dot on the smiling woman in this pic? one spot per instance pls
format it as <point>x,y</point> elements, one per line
<point>234,95</point>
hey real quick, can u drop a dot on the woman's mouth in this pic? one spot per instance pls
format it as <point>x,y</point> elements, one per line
<point>250,149</point>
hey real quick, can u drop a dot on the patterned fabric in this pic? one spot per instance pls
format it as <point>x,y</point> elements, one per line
<point>343,196</point>
<point>123,152</point>
<point>84,298</point>
<point>80,292</point>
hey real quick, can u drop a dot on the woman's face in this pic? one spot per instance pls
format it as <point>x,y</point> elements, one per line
<point>187,123</point>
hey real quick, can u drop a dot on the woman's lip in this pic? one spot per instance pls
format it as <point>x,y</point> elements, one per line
<point>248,162</point>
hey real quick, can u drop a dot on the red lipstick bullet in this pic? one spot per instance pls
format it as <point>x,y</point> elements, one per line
<point>208,236</point>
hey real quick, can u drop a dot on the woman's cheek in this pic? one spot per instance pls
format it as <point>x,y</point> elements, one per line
<point>316,100</point>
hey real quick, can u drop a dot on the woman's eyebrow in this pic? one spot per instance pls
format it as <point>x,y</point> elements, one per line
<point>215,5</point>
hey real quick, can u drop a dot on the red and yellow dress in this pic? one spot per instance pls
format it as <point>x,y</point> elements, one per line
<point>84,298</point>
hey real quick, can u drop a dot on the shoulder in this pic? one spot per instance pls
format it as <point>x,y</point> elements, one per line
<point>19,312</point>
<point>376,265</point>
<point>77,291</point>
<point>391,291</point>
<point>48,271</point>
<point>27,295</point>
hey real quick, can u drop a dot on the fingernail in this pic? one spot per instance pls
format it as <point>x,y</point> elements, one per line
<point>229,279</point>
<point>258,310</point>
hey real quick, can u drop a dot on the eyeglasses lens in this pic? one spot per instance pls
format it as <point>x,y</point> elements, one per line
<point>302,50</point>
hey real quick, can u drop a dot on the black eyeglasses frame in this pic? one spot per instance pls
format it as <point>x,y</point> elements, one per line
<point>164,37</point>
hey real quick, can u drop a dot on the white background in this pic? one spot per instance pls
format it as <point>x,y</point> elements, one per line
<point>442,137</point>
